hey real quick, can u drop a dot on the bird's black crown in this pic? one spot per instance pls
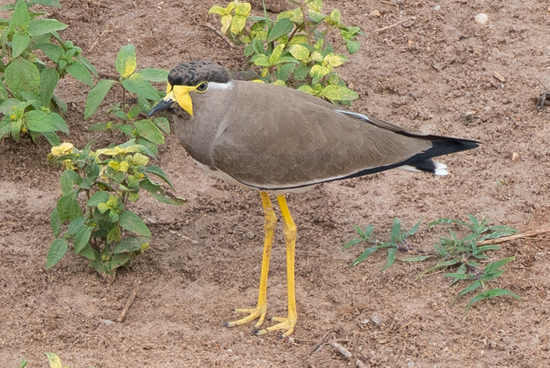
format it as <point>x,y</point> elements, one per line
<point>194,72</point>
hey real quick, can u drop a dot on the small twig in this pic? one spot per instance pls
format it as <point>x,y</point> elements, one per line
<point>395,24</point>
<point>223,37</point>
<point>387,2</point>
<point>128,303</point>
<point>316,347</point>
<point>342,350</point>
<point>98,38</point>
<point>514,237</point>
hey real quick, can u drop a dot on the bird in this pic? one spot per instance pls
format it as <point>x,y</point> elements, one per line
<point>279,140</point>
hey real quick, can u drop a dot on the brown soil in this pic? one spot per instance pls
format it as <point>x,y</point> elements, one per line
<point>434,73</point>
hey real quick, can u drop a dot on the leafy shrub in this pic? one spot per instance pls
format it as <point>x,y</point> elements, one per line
<point>27,83</point>
<point>101,228</point>
<point>294,47</point>
<point>147,132</point>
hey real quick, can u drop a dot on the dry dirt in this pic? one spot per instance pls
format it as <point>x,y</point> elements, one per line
<point>434,73</point>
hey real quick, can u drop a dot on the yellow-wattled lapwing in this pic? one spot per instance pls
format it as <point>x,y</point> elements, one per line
<point>279,140</point>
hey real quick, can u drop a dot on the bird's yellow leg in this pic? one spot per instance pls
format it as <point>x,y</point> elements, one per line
<point>261,308</point>
<point>287,323</point>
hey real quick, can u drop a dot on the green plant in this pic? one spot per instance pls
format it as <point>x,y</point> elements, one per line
<point>294,48</point>
<point>147,132</point>
<point>54,361</point>
<point>462,253</point>
<point>397,242</point>
<point>100,226</point>
<point>27,98</point>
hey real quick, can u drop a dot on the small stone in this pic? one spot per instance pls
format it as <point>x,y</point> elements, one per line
<point>375,13</point>
<point>482,18</point>
<point>376,319</point>
<point>515,156</point>
<point>437,7</point>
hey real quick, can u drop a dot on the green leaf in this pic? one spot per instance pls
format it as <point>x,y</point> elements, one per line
<point>48,81</point>
<point>493,266</point>
<point>317,72</point>
<point>19,44</point>
<point>118,260</point>
<point>67,206</point>
<point>352,46</point>
<point>491,294</point>
<point>300,52</point>
<point>114,234</point>
<point>352,242</point>
<point>79,71</point>
<point>395,233</point>
<point>96,96</point>
<point>61,105</point>
<point>307,89</point>
<point>282,27</point>
<point>59,122</point>
<point>415,259</point>
<point>367,252</point>
<point>131,222</point>
<point>154,75</point>
<point>39,27</point>
<point>217,10</point>
<point>301,72</point>
<point>55,223</point>
<point>38,121</point>
<point>126,61</point>
<point>54,3</point>
<point>97,198</point>
<point>54,52</point>
<point>284,71</point>
<point>81,238</point>
<point>57,251</point>
<point>137,84</point>
<point>76,224</point>
<point>87,64</point>
<point>440,264</point>
<point>158,193</point>
<point>68,179</point>
<point>130,245</point>
<point>158,172</point>
<point>148,130</point>
<point>238,22</point>
<point>391,259</point>
<point>22,76</point>
<point>88,252</point>
<point>163,124</point>
<point>20,17</point>
<point>339,93</point>
<point>260,60</point>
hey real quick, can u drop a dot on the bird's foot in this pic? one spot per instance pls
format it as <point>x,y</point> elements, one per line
<point>285,323</point>
<point>253,313</point>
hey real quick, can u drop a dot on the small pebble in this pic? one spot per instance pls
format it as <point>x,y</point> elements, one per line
<point>376,319</point>
<point>437,7</point>
<point>482,18</point>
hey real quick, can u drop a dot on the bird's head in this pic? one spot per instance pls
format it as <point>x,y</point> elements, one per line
<point>186,79</point>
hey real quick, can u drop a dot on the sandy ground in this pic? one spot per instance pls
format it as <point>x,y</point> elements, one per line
<point>434,73</point>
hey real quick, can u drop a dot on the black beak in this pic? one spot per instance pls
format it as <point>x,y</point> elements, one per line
<point>162,105</point>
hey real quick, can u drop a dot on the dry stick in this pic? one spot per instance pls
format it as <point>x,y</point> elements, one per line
<point>223,37</point>
<point>316,347</point>
<point>342,350</point>
<point>128,303</point>
<point>395,24</point>
<point>514,237</point>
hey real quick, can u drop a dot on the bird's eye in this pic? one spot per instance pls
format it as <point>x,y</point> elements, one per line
<point>203,86</point>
